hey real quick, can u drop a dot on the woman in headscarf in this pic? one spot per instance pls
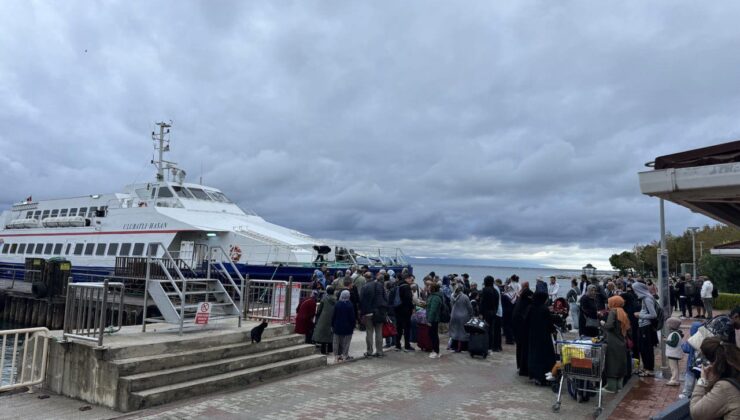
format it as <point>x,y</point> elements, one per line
<point>322,332</point>
<point>588,323</point>
<point>305,314</point>
<point>343,324</point>
<point>461,313</point>
<point>615,328</point>
<point>541,357</point>
<point>520,323</point>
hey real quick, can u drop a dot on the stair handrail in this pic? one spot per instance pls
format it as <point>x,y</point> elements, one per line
<point>228,276</point>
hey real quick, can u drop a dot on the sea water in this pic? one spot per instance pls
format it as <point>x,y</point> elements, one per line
<point>5,372</point>
<point>477,273</point>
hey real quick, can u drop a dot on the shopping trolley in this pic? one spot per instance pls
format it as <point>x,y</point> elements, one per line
<point>581,360</point>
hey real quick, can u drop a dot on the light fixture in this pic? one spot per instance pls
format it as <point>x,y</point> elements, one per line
<point>210,234</point>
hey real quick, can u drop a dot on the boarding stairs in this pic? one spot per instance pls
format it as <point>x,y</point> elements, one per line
<point>178,296</point>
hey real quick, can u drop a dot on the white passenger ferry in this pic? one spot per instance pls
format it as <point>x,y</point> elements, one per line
<point>187,219</point>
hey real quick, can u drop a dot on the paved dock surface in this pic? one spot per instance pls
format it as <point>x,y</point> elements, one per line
<point>29,406</point>
<point>400,385</point>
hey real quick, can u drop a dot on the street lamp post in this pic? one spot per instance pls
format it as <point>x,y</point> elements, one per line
<point>693,230</point>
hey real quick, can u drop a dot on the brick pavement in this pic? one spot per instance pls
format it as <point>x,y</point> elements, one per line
<point>400,385</point>
<point>649,396</point>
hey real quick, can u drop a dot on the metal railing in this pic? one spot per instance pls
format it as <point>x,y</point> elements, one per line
<point>86,311</point>
<point>23,368</point>
<point>274,300</point>
<point>217,255</point>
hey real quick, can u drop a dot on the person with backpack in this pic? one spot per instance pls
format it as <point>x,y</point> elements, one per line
<point>434,309</point>
<point>647,333</point>
<point>707,293</point>
<point>403,306</point>
<point>717,392</point>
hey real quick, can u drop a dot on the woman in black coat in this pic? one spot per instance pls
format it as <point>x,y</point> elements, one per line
<point>588,321</point>
<point>521,328</point>
<point>541,357</point>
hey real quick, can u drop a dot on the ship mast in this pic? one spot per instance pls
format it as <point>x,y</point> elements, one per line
<point>161,144</point>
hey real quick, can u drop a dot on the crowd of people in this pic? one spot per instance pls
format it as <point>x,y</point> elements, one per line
<point>396,312</point>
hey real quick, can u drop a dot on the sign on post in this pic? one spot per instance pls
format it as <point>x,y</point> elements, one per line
<point>665,289</point>
<point>278,300</point>
<point>204,312</point>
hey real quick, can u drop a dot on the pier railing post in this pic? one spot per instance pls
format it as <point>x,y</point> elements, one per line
<point>146,292</point>
<point>248,293</point>
<point>288,293</point>
<point>103,306</point>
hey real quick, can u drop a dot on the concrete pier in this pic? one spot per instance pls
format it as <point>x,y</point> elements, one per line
<point>135,370</point>
<point>19,306</point>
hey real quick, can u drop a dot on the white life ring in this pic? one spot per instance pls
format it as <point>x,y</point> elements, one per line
<point>235,253</point>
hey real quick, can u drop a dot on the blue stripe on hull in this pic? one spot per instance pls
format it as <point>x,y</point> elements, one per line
<point>301,274</point>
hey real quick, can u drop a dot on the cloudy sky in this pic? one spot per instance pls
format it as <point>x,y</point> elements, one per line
<point>481,129</point>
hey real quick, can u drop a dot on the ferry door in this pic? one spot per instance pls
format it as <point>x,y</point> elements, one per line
<point>186,251</point>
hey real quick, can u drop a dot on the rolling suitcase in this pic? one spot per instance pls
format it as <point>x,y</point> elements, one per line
<point>423,339</point>
<point>478,344</point>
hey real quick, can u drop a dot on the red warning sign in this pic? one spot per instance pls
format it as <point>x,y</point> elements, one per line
<point>204,312</point>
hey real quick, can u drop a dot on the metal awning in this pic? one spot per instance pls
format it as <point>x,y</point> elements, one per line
<point>731,249</point>
<point>705,180</point>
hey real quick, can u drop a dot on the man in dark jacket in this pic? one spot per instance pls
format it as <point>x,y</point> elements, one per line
<point>373,308</point>
<point>488,307</point>
<point>403,313</point>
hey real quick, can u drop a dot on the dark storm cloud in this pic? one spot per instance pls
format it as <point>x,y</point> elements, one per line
<point>522,124</point>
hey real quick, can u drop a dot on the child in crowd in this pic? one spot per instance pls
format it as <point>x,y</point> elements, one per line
<point>673,348</point>
<point>691,374</point>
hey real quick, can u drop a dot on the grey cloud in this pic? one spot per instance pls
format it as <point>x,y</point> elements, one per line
<point>522,123</point>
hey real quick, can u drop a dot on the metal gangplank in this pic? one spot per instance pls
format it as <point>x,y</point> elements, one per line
<point>178,297</point>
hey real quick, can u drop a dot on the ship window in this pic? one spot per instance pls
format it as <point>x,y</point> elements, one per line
<point>6,247</point>
<point>45,214</point>
<point>78,249</point>
<point>57,249</point>
<point>125,250</point>
<point>69,247</point>
<point>92,211</point>
<point>39,248</point>
<point>55,213</point>
<point>112,249</point>
<point>100,250</point>
<point>63,213</point>
<point>89,249</point>
<point>72,212</point>
<point>182,192</point>
<point>165,192</point>
<point>200,194</point>
<point>29,214</point>
<point>37,214</point>
<point>47,248</point>
<point>102,211</point>
<point>13,248</point>
<point>220,196</point>
<point>154,192</point>
<point>138,249</point>
<point>22,248</point>
<point>82,211</point>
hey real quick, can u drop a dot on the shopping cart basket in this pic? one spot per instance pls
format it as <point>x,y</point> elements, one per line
<point>581,362</point>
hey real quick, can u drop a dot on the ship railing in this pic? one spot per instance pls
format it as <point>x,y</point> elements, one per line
<point>90,307</point>
<point>217,256</point>
<point>23,357</point>
<point>13,273</point>
<point>339,255</point>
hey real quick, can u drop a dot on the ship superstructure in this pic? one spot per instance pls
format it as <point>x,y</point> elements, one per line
<point>186,218</point>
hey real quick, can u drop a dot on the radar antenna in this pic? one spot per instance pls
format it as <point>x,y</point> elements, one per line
<point>162,145</point>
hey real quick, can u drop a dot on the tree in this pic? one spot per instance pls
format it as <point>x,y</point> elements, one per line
<point>724,272</point>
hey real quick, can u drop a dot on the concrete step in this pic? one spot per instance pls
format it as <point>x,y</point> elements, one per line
<point>164,394</point>
<point>200,340</point>
<point>136,365</point>
<point>148,380</point>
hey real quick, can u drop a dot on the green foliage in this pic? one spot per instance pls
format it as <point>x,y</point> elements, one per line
<point>724,272</point>
<point>727,301</point>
